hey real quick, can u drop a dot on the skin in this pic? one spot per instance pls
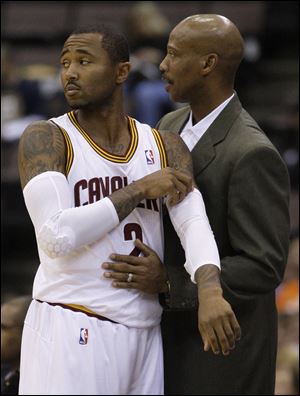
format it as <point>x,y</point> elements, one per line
<point>12,317</point>
<point>206,50</point>
<point>93,86</point>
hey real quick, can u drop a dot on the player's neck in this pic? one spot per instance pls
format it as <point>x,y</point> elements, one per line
<point>107,124</point>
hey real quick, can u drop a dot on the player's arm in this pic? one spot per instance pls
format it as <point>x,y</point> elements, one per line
<point>216,320</point>
<point>41,149</point>
<point>190,220</point>
<point>61,228</point>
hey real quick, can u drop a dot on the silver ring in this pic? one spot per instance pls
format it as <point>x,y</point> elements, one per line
<point>129,277</point>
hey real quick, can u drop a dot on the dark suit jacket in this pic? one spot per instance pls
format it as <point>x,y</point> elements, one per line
<point>245,187</point>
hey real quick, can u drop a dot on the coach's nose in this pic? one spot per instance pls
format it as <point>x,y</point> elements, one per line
<point>163,66</point>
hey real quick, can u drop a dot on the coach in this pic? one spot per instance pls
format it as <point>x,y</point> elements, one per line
<point>245,186</point>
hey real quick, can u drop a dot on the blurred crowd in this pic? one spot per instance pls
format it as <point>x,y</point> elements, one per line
<point>32,91</point>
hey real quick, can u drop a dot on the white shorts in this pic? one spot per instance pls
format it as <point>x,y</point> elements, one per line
<point>70,353</point>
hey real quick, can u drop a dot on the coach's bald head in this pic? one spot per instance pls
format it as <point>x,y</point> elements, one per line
<point>216,34</point>
<point>213,34</point>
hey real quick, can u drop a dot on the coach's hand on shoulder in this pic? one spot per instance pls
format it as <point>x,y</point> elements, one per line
<point>169,182</point>
<point>148,274</point>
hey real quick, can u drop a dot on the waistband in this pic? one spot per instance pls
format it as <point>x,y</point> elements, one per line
<point>78,308</point>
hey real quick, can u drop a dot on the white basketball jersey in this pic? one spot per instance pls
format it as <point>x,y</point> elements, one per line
<point>93,174</point>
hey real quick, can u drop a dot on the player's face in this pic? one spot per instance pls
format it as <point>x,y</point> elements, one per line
<point>87,73</point>
<point>180,67</point>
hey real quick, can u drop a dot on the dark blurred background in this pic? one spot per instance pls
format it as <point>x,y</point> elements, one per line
<point>32,35</point>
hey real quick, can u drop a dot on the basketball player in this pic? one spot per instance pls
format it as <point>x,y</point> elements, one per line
<point>91,181</point>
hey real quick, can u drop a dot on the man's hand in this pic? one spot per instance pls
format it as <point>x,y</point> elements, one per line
<point>168,182</point>
<point>148,273</point>
<point>217,323</point>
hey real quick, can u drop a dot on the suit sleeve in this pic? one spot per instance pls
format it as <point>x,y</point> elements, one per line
<point>258,225</point>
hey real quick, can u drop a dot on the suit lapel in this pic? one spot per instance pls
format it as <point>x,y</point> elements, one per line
<point>204,151</point>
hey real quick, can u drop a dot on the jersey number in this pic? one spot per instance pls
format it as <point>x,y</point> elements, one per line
<point>133,231</point>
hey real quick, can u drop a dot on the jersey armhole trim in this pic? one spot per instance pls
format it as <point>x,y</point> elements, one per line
<point>69,147</point>
<point>161,148</point>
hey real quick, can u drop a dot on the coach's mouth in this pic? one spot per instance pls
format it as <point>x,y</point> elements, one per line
<point>167,82</point>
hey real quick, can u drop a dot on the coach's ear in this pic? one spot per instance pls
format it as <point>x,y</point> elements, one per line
<point>123,70</point>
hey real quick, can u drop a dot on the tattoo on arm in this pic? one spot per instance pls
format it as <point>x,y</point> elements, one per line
<point>41,149</point>
<point>179,156</point>
<point>207,276</point>
<point>126,200</point>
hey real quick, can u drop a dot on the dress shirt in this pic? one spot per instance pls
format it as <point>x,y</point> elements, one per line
<point>191,134</point>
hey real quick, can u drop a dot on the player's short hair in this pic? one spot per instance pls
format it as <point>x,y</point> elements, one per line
<point>113,41</point>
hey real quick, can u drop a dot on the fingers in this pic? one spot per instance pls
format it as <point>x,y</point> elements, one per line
<point>124,264</point>
<point>181,190</point>
<point>237,331</point>
<point>123,258</point>
<point>184,178</point>
<point>182,185</point>
<point>175,198</point>
<point>117,276</point>
<point>204,339</point>
<point>119,267</point>
<point>120,280</point>
<point>223,340</point>
<point>215,338</point>
<point>132,260</point>
<point>210,338</point>
<point>221,335</point>
<point>166,182</point>
<point>230,335</point>
<point>146,250</point>
<point>126,285</point>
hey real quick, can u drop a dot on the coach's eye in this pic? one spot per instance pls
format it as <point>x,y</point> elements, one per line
<point>171,53</point>
<point>84,62</point>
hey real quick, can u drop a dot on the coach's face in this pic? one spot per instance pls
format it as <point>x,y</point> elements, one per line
<point>181,67</point>
<point>88,76</point>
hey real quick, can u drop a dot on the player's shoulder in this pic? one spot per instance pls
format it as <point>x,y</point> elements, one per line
<point>40,129</point>
<point>170,138</point>
<point>178,154</point>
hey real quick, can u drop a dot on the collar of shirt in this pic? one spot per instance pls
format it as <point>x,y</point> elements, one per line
<point>191,134</point>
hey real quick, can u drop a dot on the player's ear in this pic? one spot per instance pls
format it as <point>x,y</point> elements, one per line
<point>123,70</point>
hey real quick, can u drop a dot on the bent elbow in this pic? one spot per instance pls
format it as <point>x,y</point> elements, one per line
<point>53,244</point>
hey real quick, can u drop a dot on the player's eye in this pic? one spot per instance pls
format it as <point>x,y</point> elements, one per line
<point>64,63</point>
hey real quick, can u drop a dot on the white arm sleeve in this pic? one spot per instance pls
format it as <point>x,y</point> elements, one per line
<point>190,221</point>
<point>61,228</point>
